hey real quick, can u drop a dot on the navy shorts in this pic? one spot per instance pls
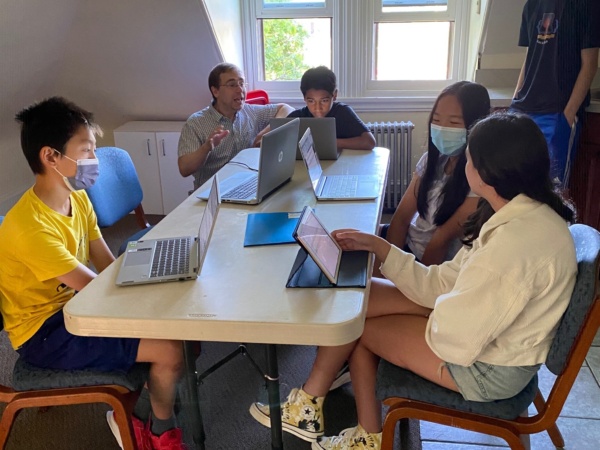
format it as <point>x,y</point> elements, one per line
<point>53,347</point>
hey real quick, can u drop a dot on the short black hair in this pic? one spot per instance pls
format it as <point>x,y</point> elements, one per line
<point>51,122</point>
<point>320,78</point>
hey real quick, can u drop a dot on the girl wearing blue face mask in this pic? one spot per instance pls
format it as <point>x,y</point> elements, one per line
<point>428,221</point>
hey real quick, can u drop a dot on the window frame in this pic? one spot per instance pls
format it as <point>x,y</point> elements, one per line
<point>353,30</point>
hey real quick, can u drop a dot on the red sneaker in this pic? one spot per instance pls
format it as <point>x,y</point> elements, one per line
<point>142,433</point>
<point>169,440</point>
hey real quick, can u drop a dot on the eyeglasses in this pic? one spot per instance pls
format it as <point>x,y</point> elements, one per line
<point>234,84</point>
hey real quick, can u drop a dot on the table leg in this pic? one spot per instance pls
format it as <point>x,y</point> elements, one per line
<point>193,403</point>
<point>272,377</point>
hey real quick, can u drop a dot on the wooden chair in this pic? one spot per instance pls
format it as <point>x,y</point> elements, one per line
<point>411,397</point>
<point>41,388</point>
<point>117,192</point>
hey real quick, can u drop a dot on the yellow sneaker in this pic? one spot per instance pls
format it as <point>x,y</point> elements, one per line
<point>350,439</point>
<point>301,415</point>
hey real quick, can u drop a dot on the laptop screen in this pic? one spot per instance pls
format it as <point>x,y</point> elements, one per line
<point>309,155</point>
<point>208,220</point>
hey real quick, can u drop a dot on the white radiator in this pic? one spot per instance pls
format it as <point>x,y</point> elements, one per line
<point>397,137</point>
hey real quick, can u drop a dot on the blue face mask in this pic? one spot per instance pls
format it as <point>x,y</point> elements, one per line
<point>86,175</point>
<point>449,141</point>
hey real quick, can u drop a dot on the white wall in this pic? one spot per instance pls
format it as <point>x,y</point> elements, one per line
<point>123,60</point>
<point>226,19</point>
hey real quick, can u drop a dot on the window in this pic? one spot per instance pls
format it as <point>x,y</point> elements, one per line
<point>377,48</point>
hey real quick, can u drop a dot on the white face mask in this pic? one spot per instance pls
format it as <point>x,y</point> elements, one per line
<point>449,141</point>
<point>86,175</point>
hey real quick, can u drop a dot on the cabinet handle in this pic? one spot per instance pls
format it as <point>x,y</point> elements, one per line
<point>148,147</point>
<point>162,142</point>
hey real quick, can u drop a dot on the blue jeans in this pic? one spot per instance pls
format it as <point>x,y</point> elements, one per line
<point>562,140</point>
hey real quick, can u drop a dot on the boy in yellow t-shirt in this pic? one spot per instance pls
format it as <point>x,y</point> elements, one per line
<point>47,241</point>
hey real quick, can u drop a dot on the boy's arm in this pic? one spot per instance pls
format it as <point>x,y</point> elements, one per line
<point>365,141</point>
<point>77,278</point>
<point>521,77</point>
<point>100,254</point>
<point>283,110</point>
<point>589,66</point>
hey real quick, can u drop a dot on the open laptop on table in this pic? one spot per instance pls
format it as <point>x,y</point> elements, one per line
<point>323,132</point>
<point>275,168</point>
<point>335,187</point>
<point>170,259</point>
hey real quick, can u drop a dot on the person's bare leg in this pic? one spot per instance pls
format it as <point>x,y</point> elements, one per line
<point>399,339</point>
<point>384,299</point>
<point>166,367</point>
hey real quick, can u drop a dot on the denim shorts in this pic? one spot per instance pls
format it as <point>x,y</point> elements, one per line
<point>53,347</point>
<point>483,382</point>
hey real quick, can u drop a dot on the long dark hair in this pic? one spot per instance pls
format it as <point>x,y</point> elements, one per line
<point>475,103</point>
<point>510,154</point>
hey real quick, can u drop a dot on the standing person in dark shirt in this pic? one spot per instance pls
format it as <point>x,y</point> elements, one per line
<point>562,39</point>
<point>318,86</point>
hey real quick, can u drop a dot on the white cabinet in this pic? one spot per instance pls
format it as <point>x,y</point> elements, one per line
<point>153,149</point>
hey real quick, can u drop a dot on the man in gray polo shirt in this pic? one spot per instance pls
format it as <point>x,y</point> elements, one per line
<point>213,136</point>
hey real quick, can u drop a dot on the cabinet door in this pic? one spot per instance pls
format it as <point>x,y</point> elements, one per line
<point>141,146</point>
<point>175,188</point>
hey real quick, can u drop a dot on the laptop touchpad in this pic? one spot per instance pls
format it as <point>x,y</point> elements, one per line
<point>140,257</point>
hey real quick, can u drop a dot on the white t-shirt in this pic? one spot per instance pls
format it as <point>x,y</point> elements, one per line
<point>421,229</point>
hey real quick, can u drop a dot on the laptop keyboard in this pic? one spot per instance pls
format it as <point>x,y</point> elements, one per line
<point>341,186</point>
<point>171,257</point>
<point>244,190</point>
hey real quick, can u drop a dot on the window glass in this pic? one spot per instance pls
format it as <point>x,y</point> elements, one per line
<point>425,58</point>
<point>414,5</point>
<point>291,46</point>
<point>293,3</point>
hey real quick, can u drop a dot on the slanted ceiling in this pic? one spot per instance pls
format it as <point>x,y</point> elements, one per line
<point>123,60</point>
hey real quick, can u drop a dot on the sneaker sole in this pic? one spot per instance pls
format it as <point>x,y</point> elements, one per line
<point>264,419</point>
<point>340,381</point>
<point>114,428</point>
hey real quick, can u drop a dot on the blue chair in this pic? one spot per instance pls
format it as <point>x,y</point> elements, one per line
<point>117,192</point>
<point>412,397</point>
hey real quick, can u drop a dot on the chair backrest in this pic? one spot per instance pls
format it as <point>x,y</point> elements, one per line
<point>257,97</point>
<point>587,248</point>
<point>117,191</point>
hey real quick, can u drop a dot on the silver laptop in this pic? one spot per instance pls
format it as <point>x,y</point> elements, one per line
<point>170,259</point>
<point>275,168</point>
<point>323,132</point>
<point>335,187</point>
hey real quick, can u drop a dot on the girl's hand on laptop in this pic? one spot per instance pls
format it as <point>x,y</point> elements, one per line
<point>351,240</point>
